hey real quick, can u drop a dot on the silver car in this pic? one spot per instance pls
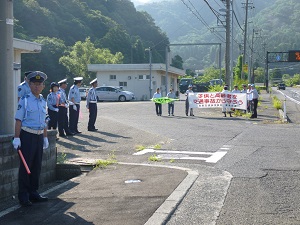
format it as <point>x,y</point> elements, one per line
<point>112,93</point>
<point>83,93</point>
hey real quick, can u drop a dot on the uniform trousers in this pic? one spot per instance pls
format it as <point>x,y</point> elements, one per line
<point>92,116</point>
<point>63,120</point>
<point>158,109</point>
<point>32,150</point>
<point>171,108</point>
<point>74,117</point>
<point>255,101</point>
<point>53,119</point>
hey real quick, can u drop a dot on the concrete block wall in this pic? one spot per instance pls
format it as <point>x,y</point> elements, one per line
<point>9,165</point>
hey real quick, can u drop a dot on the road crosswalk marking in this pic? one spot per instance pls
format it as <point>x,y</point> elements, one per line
<point>213,157</point>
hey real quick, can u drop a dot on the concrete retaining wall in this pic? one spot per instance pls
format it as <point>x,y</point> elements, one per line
<point>9,165</point>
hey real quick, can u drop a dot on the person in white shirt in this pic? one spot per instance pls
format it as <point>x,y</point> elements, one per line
<point>157,94</point>
<point>187,107</point>
<point>226,109</point>
<point>254,100</point>
<point>171,94</point>
<point>235,89</point>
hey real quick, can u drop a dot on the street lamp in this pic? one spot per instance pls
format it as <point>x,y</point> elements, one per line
<point>150,69</point>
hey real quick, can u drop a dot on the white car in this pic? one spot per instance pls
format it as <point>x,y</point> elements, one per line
<point>112,93</point>
<point>83,93</point>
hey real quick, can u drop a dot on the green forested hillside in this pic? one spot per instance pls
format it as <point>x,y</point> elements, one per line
<point>276,20</point>
<point>59,24</point>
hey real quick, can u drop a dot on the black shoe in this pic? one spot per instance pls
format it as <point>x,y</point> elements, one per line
<point>78,132</point>
<point>92,129</point>
<point>38,198</point>
<point>26,203</point>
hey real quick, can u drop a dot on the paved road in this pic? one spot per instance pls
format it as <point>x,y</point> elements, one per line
<point>248,169</point>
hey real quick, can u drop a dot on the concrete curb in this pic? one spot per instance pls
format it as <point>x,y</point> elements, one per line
<point>162,214</point>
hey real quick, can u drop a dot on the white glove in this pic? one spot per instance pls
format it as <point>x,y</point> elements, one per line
<point>56,109</point>
<point>75,107</point>
<point>66,105</point>
<point>46,143</point>
<point>16,143</point>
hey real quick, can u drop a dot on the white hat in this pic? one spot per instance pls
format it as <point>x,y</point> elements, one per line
<point>93,81</point>
<point>78,78</point>
<point>62,81</point>
<point>37,76</point>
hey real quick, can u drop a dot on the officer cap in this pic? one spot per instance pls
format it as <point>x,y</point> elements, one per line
<point>252,85</point>
<point>28,72</point>
<point>78,78</point>
<point>64,81</point>
<point>37,76</point>
<point>190,85</point>
<point>53,84</point>
<point>93,81</point>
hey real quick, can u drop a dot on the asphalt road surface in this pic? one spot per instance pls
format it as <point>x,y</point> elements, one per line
<point>249,169</point>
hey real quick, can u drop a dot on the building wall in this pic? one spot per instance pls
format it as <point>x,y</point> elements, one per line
<point>140,87</point>
<point>9,165</point>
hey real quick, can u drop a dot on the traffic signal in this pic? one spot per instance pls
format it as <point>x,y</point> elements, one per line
<point>294,56</point>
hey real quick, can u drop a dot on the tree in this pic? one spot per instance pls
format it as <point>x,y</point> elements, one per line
<point>47,59</point>
<point>84,53</point>
<point>177,62</point>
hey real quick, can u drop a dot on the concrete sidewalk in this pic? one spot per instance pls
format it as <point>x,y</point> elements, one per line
<point>120,194</point>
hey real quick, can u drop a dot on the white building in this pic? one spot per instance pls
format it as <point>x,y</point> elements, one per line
<point>136,78</point>
<point>20,47</point>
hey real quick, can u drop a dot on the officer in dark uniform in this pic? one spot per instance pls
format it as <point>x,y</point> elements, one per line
<point>52,103</point>
<point>91,104</point>
<point>31,138</point>
<point>74,101</point>
<point>63,120</point>
<point>24,88</point>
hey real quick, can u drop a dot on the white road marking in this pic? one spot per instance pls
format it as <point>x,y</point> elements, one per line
<point>165,154</point>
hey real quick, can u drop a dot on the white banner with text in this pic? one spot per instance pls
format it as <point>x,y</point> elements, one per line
<point>218,100</point>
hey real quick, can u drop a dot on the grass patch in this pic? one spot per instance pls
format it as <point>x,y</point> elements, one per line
<point>276,103</point>
<point>158,146</point>
<point>61,158</point>
<point>172,160</point>
<point>139,148</point>
<point>103,163</point>
<point>154,158</point>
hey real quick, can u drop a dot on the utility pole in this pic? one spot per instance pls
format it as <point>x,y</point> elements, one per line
<point>7,90</point>
<point>245,39</point>
<point>227,51</point>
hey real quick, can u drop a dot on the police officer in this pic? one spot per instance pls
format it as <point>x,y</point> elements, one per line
<point>63,120</point>
<point>52,103</point>
<point>31,138</point>
<point>91,104</point>
<point>187,107</point>
<point>24,88</point>
<point>74,101</point>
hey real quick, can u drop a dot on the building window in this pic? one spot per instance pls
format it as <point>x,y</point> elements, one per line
<point>123,83</point>
<point>144,77</point>
<point>112,77</point>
